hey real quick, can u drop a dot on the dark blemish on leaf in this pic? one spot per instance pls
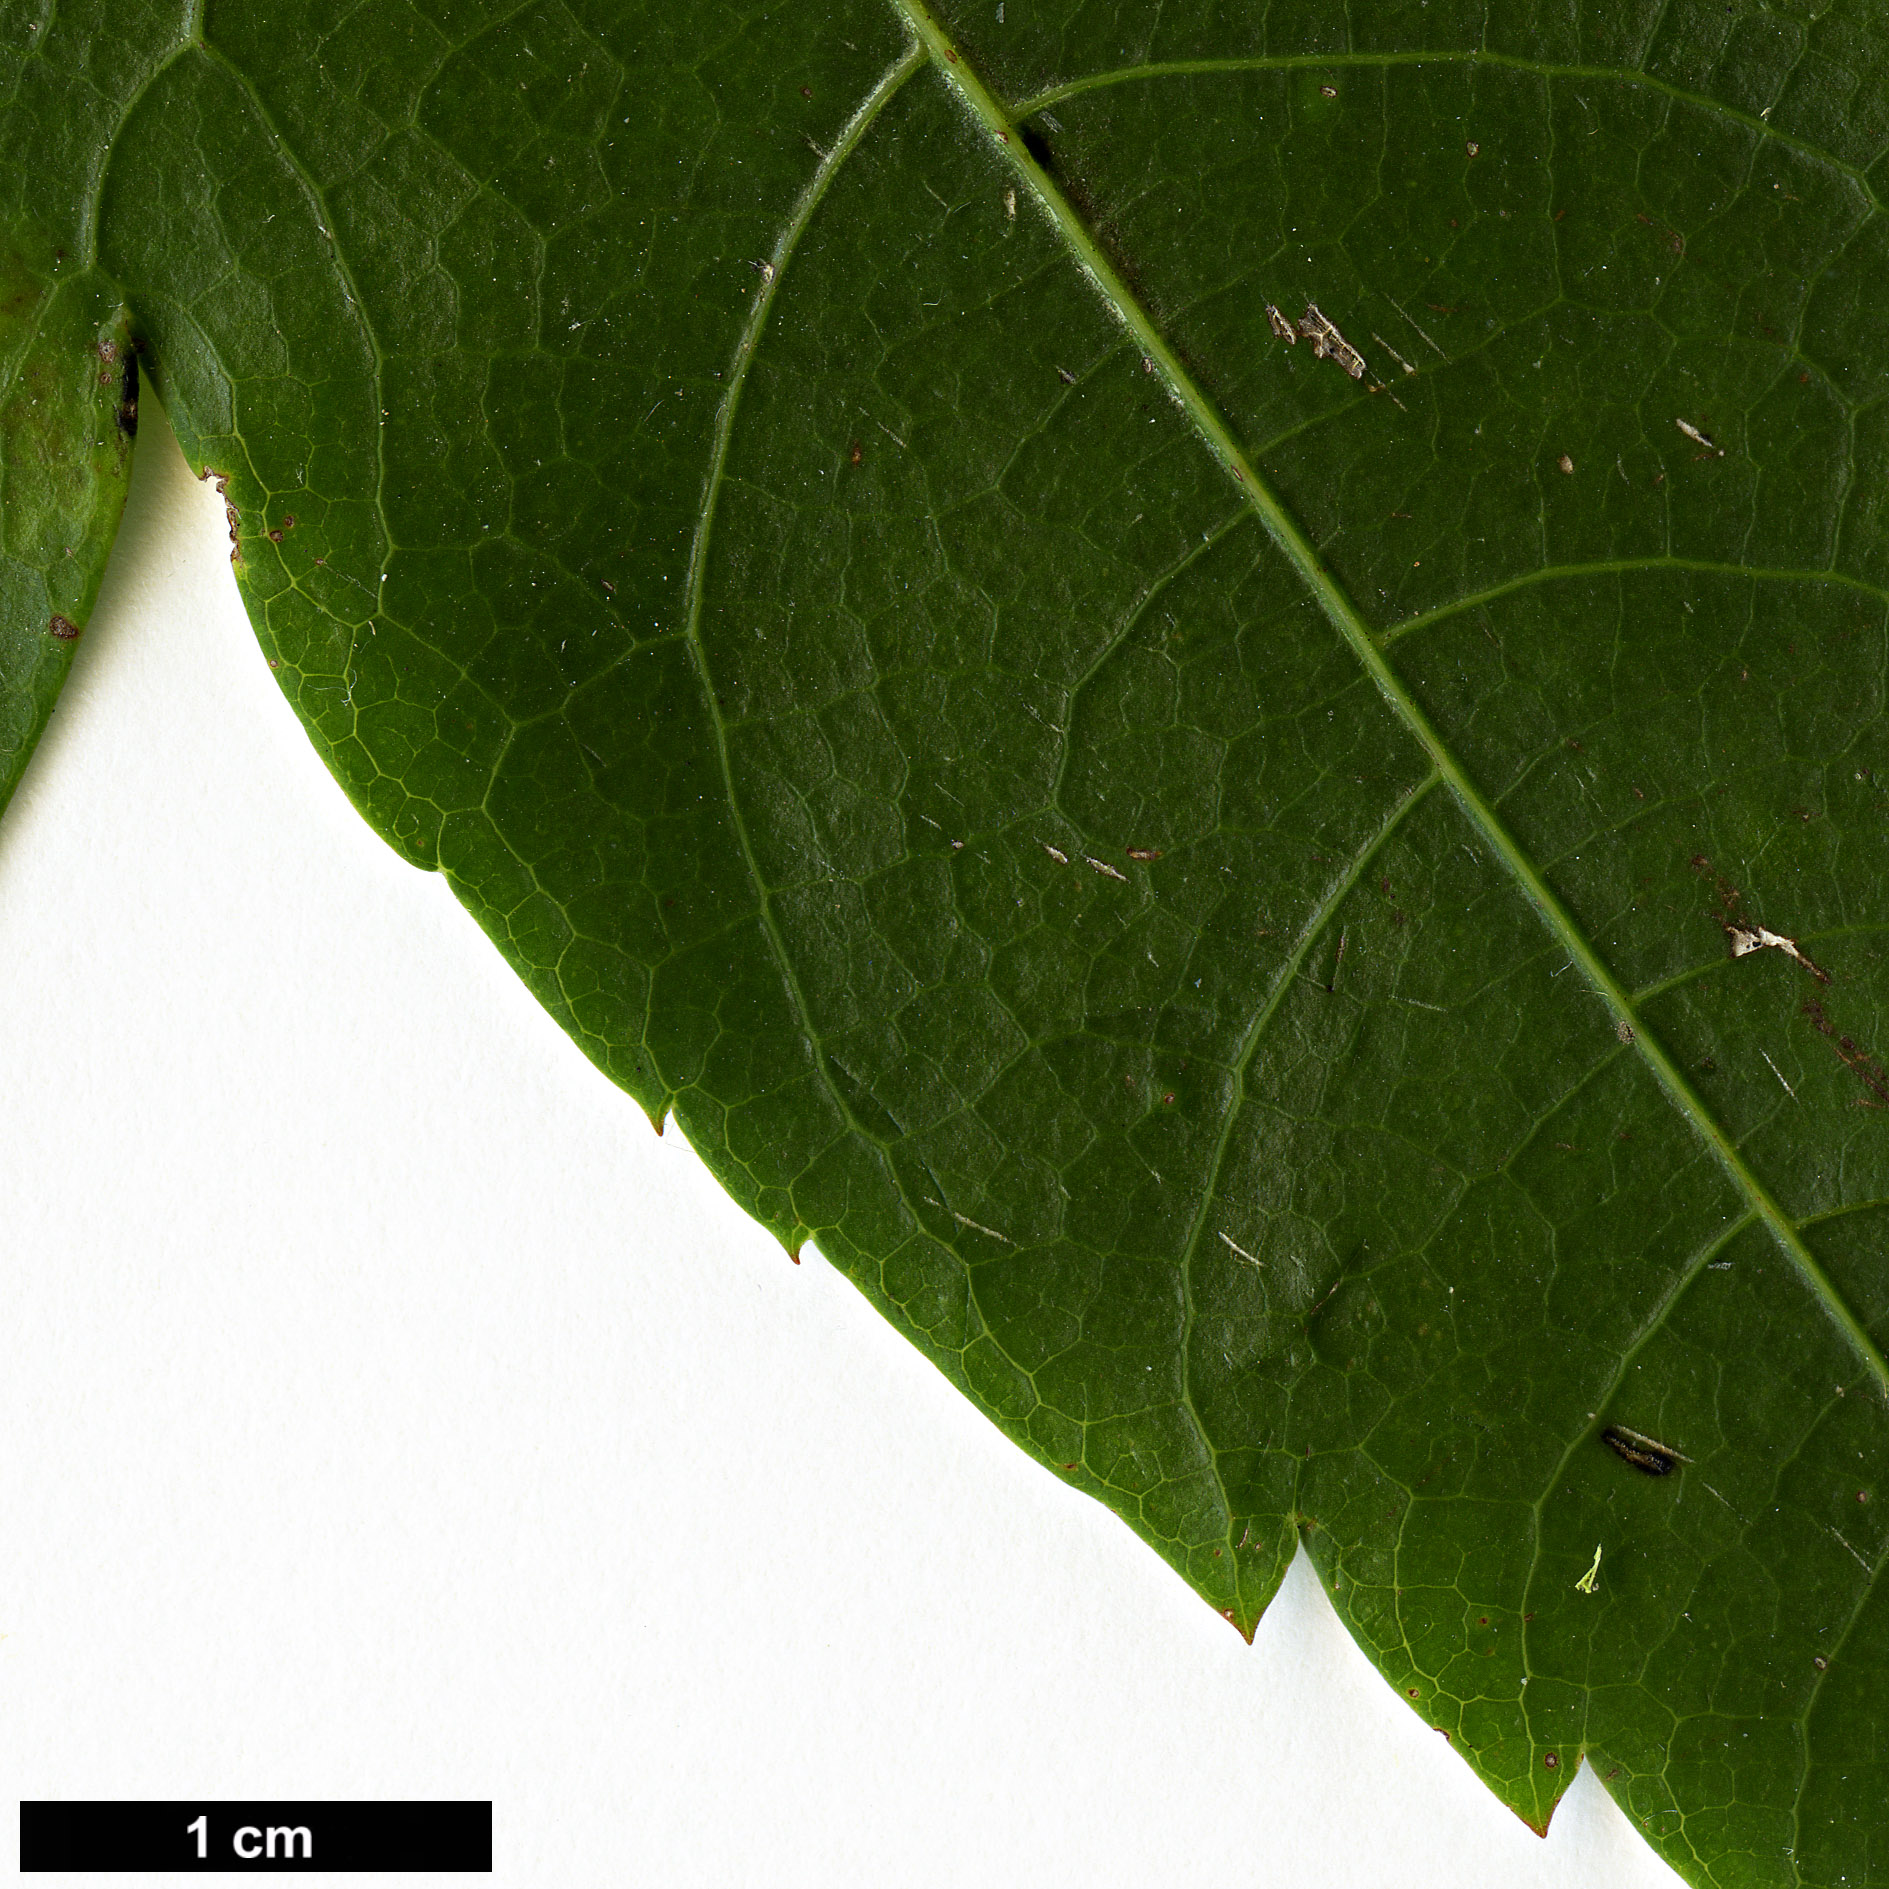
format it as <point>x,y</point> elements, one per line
<point>127,415</point>
<point>229,511</point>
<point>1550,1761</point>
<point>1649,1457</point>
<point>1144,853</point>
<point>1413,1692</point>
<point>64,628</point>
<point>855,453</point>
<point>1471,149</point>
<point>1821,1664</point>
<point>288,521</point>
<point>275,536</point>
<point>1871,1072</point>
<point>1069,380</point>
<point>806,91</point>
<point>1328,91</point>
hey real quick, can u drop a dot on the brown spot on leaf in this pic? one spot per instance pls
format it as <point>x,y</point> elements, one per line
<point>64,628</point>
<point>127,415</point>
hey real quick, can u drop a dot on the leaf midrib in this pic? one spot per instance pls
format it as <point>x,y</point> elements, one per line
<point>1344,616</point>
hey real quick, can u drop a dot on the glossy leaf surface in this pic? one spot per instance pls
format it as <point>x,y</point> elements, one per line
<point>1316,940</point>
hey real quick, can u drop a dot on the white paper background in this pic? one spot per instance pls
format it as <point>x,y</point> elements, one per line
<point>387,1412</point>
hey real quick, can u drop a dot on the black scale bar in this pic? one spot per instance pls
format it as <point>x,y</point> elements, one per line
<point>255,1839</point>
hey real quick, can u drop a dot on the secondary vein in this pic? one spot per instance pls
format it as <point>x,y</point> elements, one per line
<point>855,128</point>
<point>1623,567</point>
<point>1469,56</point>
<point>1344,616</point>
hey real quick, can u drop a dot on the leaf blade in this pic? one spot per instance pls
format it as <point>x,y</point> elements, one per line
<point>1080,1187</point>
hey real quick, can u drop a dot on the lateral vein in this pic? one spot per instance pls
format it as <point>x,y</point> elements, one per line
<point>1475,56</point>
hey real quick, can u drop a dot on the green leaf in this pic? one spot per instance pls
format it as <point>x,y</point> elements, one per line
<point>1315,939</point>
